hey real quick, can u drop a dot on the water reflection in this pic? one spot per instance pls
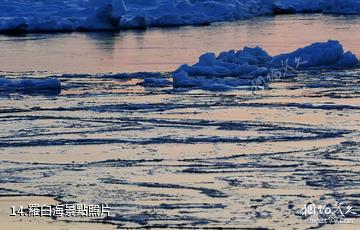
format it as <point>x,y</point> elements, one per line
<point>105,41</point>
<point>164,49</point>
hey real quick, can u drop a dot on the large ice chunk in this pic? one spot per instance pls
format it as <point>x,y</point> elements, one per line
<point>248,63</point>
<point>320,54</point>
<point>254,66</point>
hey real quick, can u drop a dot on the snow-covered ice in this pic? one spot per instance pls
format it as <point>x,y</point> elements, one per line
<point>240,68</point>
<point>56,15</point>
<point>184,12</point>
<point>321,54</point>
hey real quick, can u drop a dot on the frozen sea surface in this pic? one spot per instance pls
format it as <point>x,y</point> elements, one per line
<point>160,157</point>
<point>169,158</point>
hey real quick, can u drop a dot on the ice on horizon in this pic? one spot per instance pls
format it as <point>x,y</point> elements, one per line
<point>320,6</point>
<point>89,15</point>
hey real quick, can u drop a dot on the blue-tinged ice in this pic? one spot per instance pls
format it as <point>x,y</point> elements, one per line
<point>320,54</point>
<point>155,82</point>
<point>344,7</point>
<point>324,6</point>
<point>29,84</point>
<point>246,62</point>
<point>185,12</point>
<point>182,80</point>
<point>254,66</point>
<point>57,15</point>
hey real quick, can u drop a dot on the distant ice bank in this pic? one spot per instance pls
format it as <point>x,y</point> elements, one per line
<point>254,66</point>
<point>77,15</point>
<point>320,6</point>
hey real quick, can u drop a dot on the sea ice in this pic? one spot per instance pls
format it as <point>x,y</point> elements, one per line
<point>320,54</point>
<point>254,66</point>
<point>29,84</point>
<point>56,15</point>
<point>344,7</point>
<point>42,16</point>
<point>195,12</point>
<point>325,6</point>
<point>155,82</point>
<point>303,6</point>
